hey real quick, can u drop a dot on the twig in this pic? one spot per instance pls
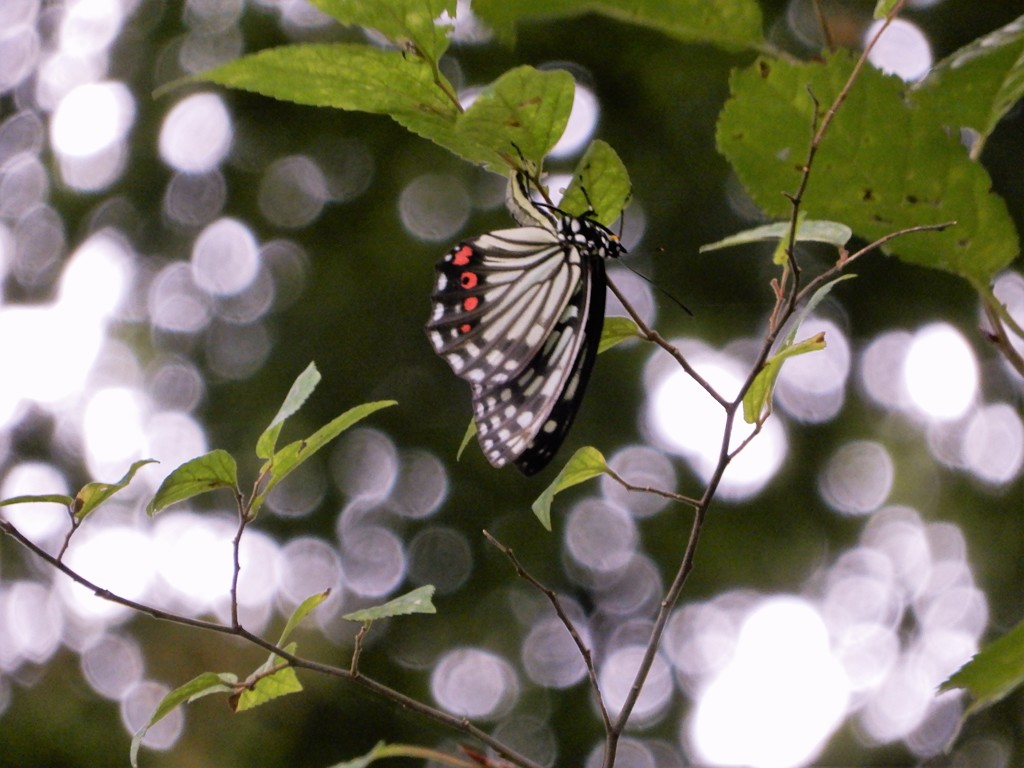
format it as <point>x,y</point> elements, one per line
<point>566,620</point>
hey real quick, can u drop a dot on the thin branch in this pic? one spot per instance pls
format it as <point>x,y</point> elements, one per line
<point>460,724</point>
<point>566,620</point>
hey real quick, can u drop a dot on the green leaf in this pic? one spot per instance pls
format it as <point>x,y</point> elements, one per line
<point>267,687</point>
<point>761,388</point>
<point>297,395</point>
<point>616,330</point>
<point>586,463</point>
<point>55,498</point>
<point>288,459</point>
<point>978,84</point>
<point>884,7</point>
<point>302,611</point>
<point>994,672</point>
<point>728,23</point>
<point>354,77</point>
<point>470,431</point>
<point>93,494</point>
<point>525,110</point>
<point>401,21</point>
<point>196,688</point>
<point>760,392</point>
<point>416,601</point>
<point>603,177</point>
<point>828,232</point>
<point>883,165</point>
<point>216,469</point>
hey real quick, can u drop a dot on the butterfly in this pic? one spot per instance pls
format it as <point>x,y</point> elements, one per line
<point>518,314</point>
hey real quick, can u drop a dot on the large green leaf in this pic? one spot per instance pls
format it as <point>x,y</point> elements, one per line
<point>523,111</point>
<point>729,23</point>
<point>883,165</point>
<point>354,77</point>
<point>978,84</point>
<point>402,21</point>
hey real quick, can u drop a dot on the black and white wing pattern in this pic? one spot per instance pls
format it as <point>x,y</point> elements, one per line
<point>518,314</point>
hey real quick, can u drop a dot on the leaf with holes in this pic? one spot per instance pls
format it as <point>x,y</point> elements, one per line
<point>882,166</point>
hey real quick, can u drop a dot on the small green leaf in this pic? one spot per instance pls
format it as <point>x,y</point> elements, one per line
<point>884,7</point>
<point>470,432</point>
<point>401,21</point>
<point>760,392</point>
<point>616,330</point>
<point>600,176</point>
<point>523,111</point>
<point>93,494</point>
<point>55,498</point>
<point>994,672</point>
<point>586,463</point>
<point>286,460</point>
<point>196,688</point>
<point>268,685</point>
<point>296,397</point>
<point>302,611</point>
<point>216,469</point>
<point>828,232</point>
<point>416,601</point>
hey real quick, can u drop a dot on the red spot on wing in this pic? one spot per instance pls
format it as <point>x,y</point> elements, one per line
<point>468,279</point>
<point>465,328</point>
<point>470,303</point>
<point>462,256</point>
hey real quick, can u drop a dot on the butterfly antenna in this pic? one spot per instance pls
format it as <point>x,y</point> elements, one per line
<point>648,280</point>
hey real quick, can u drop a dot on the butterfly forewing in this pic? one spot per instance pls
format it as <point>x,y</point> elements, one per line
<point>497,297</point>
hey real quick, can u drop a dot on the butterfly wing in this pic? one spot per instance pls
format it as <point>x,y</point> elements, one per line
<point>496,300</point>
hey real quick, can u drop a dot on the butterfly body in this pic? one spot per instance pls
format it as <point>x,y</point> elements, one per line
<point>518,314</point>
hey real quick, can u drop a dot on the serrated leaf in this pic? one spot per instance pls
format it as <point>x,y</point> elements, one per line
<point>585,464</point>
<point>289,458</point>
<point>995,671</point>
<point>760,392</point>
<point>729,23</point>
<point>605,180</point>
<point>977,85</point>
<point>55,498</point>
<point>196,688</point>
<point>355,77</point>
<point>216,469</point>
<point>416,601</point>
<point>304,608</point>
<point>92,495</point>
<point>401,21</point>
<point>271,686</point>
<point>300,391</point>
<point>470,432</point>
<point>883,166</point>
<point>616,330</point>
<point>810,231</point>
<point>523,111</point>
